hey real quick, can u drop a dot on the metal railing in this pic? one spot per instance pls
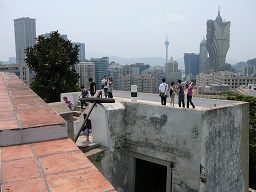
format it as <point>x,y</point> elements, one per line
<point>93,100</point>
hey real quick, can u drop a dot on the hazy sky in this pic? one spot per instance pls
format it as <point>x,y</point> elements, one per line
<point>133,28</point>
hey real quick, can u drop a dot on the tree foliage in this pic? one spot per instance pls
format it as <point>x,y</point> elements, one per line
<point>252,134</point>
<point>53,59</point>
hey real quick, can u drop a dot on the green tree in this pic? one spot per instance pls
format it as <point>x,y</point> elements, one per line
<point>252,135</point>
<point>53,60</point>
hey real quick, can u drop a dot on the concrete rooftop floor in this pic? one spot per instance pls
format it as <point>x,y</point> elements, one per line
<point>201,104</point>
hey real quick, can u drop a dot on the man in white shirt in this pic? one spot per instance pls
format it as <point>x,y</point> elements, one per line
<point>163,89</point>
<point>104,84</point>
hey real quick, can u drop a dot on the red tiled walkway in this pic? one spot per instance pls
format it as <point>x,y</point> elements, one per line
<point>35,153</point>
<point>24,116</point>
<point>49,166</point>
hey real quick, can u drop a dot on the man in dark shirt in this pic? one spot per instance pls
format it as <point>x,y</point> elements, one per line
<point>84,94</point>
<point>92,87</point>
<point>181,94</point>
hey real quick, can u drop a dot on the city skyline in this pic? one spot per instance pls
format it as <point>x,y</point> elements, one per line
<point>135,28</point>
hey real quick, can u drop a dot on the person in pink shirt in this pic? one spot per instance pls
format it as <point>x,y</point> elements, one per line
<point>68,102</point>
<point>190,93</point>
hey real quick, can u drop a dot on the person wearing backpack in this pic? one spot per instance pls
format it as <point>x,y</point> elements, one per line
<point>163,88</point>
<point>180,89</point>
<point>84,94</point>
<point>87,129</point>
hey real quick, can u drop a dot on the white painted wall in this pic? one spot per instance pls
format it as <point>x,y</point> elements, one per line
<point>72,96</point>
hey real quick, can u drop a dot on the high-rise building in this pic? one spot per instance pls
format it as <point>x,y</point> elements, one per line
<point>171,70</point>
<point>158,72</point>
<point>203,57</point>
<point>149,84</point>
<point>81,53</point>
<point>217,42</point>
<point>146,83</point>
<point>137,68</point>
<point>25,36</point>
<point>47,35</point>
<point>249,69</point>
<point>85,71</point>
<point>234,80</point>
<point>191,61</point>
<point>115,70</point>
<point>101,69</point>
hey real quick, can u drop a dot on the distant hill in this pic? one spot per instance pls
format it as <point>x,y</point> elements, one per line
<point>153,61</point>
<point>232,61</point>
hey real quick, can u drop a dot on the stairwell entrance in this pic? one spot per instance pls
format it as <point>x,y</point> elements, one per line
<point>148,174</point>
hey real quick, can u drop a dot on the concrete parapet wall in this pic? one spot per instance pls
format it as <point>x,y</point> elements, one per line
<point>225,148</point>
<point>63,110</point>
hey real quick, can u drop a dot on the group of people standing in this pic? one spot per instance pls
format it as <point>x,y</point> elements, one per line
<point>107,85</point>
<point>164,90</point>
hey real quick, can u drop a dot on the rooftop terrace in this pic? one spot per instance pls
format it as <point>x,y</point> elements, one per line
<point>154,99</point>
<point>37,155</point>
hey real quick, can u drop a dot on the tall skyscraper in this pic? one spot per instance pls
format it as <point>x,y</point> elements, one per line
<point>101,67</point>
<point>191,61</point>
<point>81,53</point>
<point>85,71</point>
<point>115,70</point>
<point>203,57</point>
<point>166,49</point>
<point>25,36</point>
<point>217,42</point>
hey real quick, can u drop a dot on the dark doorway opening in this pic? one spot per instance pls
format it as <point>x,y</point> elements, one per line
<point>150,177</point>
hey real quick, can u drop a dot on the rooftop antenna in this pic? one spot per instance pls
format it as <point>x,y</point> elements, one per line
<point>219,10</point>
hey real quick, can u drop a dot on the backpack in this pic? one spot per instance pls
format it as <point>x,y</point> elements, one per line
<point>88,124</point>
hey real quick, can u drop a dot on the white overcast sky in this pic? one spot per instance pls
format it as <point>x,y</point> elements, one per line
<point>133,28</point>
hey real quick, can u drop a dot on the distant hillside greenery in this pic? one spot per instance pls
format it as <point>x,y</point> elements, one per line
<point>53,60</point>
<point>252,136</point>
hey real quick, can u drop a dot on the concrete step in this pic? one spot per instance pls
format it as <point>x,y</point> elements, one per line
<point>96,154</point>
<point>86,146</point>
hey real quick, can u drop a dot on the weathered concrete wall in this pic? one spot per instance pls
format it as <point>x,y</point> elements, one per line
<point>65,113</point>
<point>225,149</point>
<point>183,136</point>
<point>108,130</point>
<point>161,132</point>
<point>171,134</point>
